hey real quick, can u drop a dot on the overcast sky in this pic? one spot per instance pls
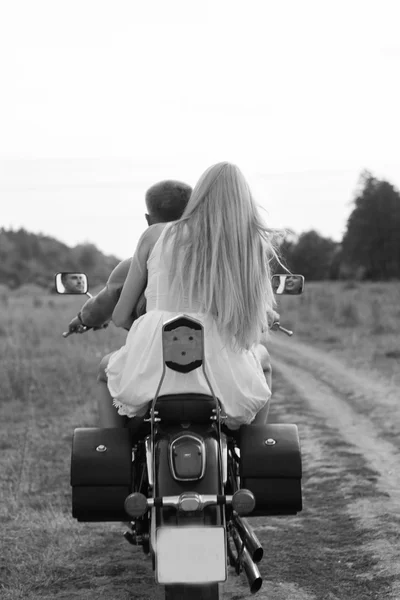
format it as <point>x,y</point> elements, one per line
<point>101,99</point>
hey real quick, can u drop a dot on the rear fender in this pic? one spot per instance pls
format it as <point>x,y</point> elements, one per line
<point>165,483</point>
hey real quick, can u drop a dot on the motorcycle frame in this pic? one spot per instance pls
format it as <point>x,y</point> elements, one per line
<point>153,415</point>
<point>154,419</point>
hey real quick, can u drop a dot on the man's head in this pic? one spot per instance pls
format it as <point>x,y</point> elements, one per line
<point>74,283</point>
<point>166,201</point>
<point>293,284</point>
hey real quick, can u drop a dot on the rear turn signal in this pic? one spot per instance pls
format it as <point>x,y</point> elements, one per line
<point>136,505</point>
<point>243,502</point>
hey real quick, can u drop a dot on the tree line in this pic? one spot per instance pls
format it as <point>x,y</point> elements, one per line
<point>28,258</point>
<point>370,248</point>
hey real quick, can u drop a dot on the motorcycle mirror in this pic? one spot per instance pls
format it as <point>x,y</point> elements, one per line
<point>71,283</point>
<point>288,284</point>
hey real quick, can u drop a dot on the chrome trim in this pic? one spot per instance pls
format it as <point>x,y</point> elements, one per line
<point>197,438</point>
<point>176,501</point>
<point>251,570</point>
<point>235,468</point>
<point>270,442</point>
<point>149,462</point>
<point>153,527</point>
<point>224,444</point>
<point>249,538</point>
<point>189,502</point>
<point>217,418</point>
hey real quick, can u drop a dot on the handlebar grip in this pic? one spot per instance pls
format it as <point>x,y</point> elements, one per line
<point>67,333</point>
<point>276,326</point>
<point>287,331</point>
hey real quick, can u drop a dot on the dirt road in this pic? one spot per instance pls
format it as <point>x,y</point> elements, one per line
<point>346,542</point>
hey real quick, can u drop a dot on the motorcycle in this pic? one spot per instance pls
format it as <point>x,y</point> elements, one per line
<point>185,482</point>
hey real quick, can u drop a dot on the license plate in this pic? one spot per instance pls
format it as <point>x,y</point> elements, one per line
<point>190,555</point>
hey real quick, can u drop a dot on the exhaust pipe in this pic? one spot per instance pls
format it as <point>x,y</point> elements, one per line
<point>252,573</point>
<point>250,539</point>
<point>231,553</point>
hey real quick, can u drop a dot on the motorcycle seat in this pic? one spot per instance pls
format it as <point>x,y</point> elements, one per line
<point>184,408</point>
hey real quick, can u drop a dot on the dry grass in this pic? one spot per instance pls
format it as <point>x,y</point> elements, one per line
<point>48,388</point>
<point>360,322</point>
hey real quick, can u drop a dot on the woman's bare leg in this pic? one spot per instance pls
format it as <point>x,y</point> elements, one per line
<point>263,356</point>
<point>108,414</point>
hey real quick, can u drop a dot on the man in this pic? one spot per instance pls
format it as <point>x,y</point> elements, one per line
<point>293,284</point>
<point>165,201</point>
<point>74,283</point>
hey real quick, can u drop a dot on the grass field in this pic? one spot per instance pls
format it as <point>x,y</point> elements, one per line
<point>359,322</point>
<point>47,388</point>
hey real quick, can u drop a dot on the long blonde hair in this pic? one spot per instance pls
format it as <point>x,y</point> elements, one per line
<point>225,249</point>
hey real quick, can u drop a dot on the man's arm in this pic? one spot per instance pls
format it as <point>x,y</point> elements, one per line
<point>98,310</point>
<point>136,279</point>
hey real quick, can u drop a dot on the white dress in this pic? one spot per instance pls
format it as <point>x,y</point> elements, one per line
<point>134,371</point>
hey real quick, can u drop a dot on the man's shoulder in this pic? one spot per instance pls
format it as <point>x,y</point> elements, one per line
<point>154,231</point>
<point>151,235</point>
<point>120,272</point>
<point>145,244</point>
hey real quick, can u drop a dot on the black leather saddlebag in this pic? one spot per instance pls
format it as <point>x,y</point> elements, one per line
<point>270,467</point>
<point>101,473</point>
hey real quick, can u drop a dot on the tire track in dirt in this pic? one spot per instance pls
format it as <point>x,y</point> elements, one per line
<point>328,387</point>
<point>375,397</point>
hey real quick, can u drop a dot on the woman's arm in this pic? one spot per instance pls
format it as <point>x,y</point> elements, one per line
<point>136,278</point>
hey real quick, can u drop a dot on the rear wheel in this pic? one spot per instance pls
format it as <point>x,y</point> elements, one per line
<point>192,592</point>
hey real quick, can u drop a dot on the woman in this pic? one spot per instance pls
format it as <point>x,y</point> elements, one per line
<point>212,264</point>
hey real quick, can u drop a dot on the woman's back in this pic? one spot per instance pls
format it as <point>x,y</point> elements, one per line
<point>159,295</point>
<point>221,250</point>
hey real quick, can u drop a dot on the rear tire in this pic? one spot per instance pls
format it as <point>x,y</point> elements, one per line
<point>192,592</point>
